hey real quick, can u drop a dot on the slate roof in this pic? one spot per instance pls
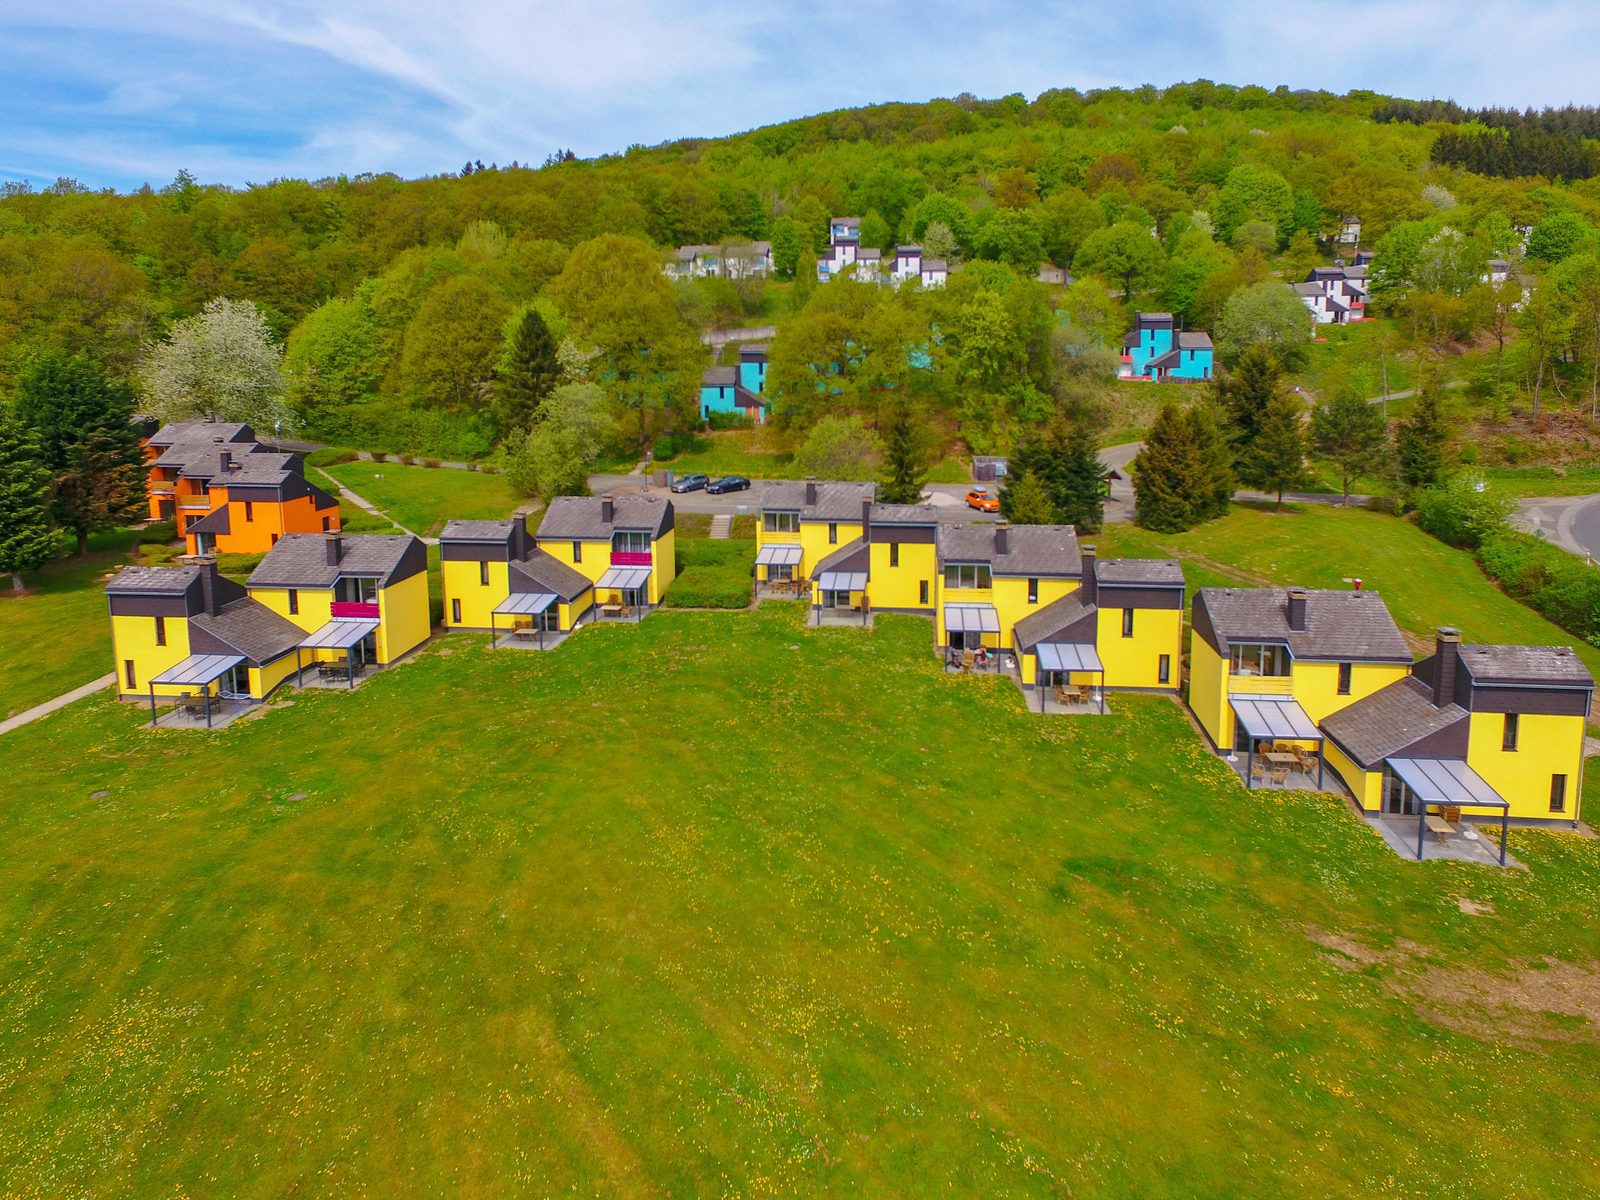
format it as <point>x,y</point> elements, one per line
<point>1547,665</point>
<point>1340,626</point>
<point>300,560</point>
<point>476,531</point>
<point>1309,290</point>
<point>548,573</point>
<point>904,514</point>
<point>853,556</point>
<point>1051,620</point>
<point>248,627</point>
<point>720,377</point>
<point>153,581</point>
<point>201,432</point>
<point>1194,341</point>
<point>204,460</point>
<point>578,517</point>
<point>1139,572</point>
<point>934,264</point>
<point>260,467</point>
<point>835,501</point>
<point>1030,549</point>
<point>1390,720</point>
<point>1154,318</point>
<point>215,521</point>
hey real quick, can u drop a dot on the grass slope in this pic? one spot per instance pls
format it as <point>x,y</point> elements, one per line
<point>1424,582</point>
<point>422,499</point>
<point>719,904</point>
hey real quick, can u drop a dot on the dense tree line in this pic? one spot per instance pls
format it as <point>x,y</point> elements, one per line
<point>1517,152</point>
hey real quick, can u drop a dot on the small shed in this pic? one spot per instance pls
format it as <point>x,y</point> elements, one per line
<point>989,468</point>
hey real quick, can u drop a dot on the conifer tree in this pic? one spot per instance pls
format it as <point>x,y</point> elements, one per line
<point>1422,444</point>
<point>903,457</point>
<point>1027,503</point>
<point>1276,459</point>
<point>1244,394</point>
<point>26,538</point>
<point>1077,484</point>
<point>1349,431</point>
<point>527,373</point>
<point>1170,482</point>
<point>1216,463</point>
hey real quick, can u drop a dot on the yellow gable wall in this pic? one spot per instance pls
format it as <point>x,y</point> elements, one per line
<point>1135,662</point>
<point>1546,746</point>
<point>1316,684</point>
<point>463,582</point>
<point>402,616</point>
<point>594,557</point>
<point>901,587</point>
<point>314,605</point>
<point>135,638</point>
<point>814,543</point>
<point>1366,786</point>
<point>595,561</point>
<point>1208,691</point>
<point>265,678</point>
<point>1009,595</point>
<point>663,564</point>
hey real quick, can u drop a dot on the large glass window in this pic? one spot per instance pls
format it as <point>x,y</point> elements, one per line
<point>780,522</point>
<point>630,541</point>
<point>967,575</point>
<point>1249,658</point>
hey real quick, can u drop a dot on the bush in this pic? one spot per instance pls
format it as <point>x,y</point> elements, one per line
<point>1557,585</point>
<point>379,456</point>
<point>331,456</point>
<point>359,520</point>
<point>728,420</point>
<point>157,534</point>
<point>239,566</point>
<point>431,463</point>
<point>154,555</point>
<point>710,587</point>
<point>1464,513</point>
<point>407,459</point>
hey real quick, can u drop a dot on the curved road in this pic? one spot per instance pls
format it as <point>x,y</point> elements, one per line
<point>1571,522</point>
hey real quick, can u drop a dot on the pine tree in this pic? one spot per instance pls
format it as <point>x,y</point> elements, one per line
<point>1027,502</point>
<point>903,457</point>
<point>1422,444</point>
<point>527,373</point>
<point>1216,463</point>
<point>1244,394</point>
<point>1077,483</point>
<point>1349,431</point>
<point>1029,460</point>
<point>26,538</point>
<point>1276,460</point>
<point>82,424</point>
<point>1170,481</point>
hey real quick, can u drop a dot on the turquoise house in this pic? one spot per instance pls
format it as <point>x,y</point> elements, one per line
<point>753,369</point>
<point>722,392</point>
<point>1157,350</point>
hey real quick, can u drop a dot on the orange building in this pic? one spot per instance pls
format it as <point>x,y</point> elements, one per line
<point>229,494</point>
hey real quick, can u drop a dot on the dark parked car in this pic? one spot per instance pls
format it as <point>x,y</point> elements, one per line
<point>728,483</point>
<point>689,483</point>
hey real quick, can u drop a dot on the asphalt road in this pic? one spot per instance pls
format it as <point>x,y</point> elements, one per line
<point>1571,522</point>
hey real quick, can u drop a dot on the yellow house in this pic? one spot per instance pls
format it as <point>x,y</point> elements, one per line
<point>496,579</point>
<point>801,524</point>
<point>1267,665</point>
<point>624,546</point>
<point>1121,630</point>
<point>192,638</point>
<point>359,600</point>
<point>893,566</point>
<point>1493,729</point>
<point>992,576</point>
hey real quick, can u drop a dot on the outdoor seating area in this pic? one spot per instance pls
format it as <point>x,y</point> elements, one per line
<point>1072,699</point>
<point>782,589</point>
<point>980,661</point>
<point>337,673</point>
<point>833,615</point>
<point>202,710</point>
<point>1282,764</point>
<point>1446,835</point>
<point>619,611</point>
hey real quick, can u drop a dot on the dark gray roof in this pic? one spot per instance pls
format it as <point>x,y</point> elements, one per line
<point>935,264</point>
<point>300,560</point>
<point>153,581</point>
<point>1145,318</point>
<point>1139,572</point>
<point>835,501</point>
<point>1052,619</point>
<point>1340,626</point>
<point>1549,665</point>
<point>1308,289</point>
<point>204,460</point>
<point>904,514</point>
<point>853,556</point>
<point>1194,341</point>
<point>249,627</point>
<point>1030,549</point>
<point>260,467</point>
<point>215,521</point>
<point>1390,720</point>
<point>476,531</point>
<point>578,517</point>
<point>548,573</point>
<point>720,377</point>
<point>201,432</point>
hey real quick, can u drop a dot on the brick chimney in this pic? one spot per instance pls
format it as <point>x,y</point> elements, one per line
<point>226,459</point>
<point>334,544</point>
<point>811,490</point>
<point>1447,654</point>
<point>1297,609</point>
<point>1002,538</point>
<point>608,509</point>
<point>866,520</point>
<point>1091,585</point>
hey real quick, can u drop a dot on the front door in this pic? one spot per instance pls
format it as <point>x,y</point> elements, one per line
<point>235,685</point>
<point>1398,799</point>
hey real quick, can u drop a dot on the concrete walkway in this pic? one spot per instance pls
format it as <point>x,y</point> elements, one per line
<point>28,716</point>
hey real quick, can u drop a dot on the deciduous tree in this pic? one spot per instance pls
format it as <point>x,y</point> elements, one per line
<point>221,364</point>
<point>1350,431</point>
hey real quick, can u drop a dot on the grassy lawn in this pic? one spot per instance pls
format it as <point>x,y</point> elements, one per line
<point>721,905</point>
<point>1424,582</point>
<point>1543,481</point>
<point>422,499</point>
<point>58,635</point>
<point>758,454</point>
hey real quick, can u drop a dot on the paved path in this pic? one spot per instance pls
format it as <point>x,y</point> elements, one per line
<point>361,502</point>
<point>27,716</point>
<point>1571,522</point>
<point>721,526</point>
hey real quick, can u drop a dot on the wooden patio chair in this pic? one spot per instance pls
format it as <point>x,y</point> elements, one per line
<point>1258,771</point>
<point>1280,776</point>
<point>967,659</point>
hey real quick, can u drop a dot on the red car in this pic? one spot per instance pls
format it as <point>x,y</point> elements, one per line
<point>981,500</point>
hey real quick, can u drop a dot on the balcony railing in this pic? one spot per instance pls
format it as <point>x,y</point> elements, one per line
<point>353,608</point>
<point>630,558</point>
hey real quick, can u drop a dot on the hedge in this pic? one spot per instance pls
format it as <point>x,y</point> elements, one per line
<point>710,587</point>
<point>1557,585</point>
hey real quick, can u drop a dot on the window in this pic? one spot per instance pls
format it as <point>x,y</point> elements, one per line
<point>894,554</point>
<point>967,575</point>
<point>249,511</point>
<point>922,593</point>
<point>274,539</point>
<point>1249,658</point>
<point>1558,793</point>
<point>294,601</point>
<point>833,533</point>
<point>1508,737</point>
<point>1033,591</point>
<point>1164,669</point>
<point>780,522</point>
<point>577,552</point>
<point>630,541</point>
<point>455,612</point>
<point>1127,622</point>
<point>327,524</point>
<point>127,673</point>
<point>1344,678</point>
<point>483,574</point>
<point>161,631</point>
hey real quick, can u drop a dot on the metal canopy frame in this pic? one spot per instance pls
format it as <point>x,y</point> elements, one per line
<point>1069,656</point>
<point>523,604</point>
<point>341,633</point>
<point>198,669</point>
<point>783,554</point>
<point>1271,718</point>
<point>1449,782</point>
<point>624,578</point>
<point>971,618</point>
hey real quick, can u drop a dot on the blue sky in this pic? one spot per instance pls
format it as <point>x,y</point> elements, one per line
<point>115,93</point>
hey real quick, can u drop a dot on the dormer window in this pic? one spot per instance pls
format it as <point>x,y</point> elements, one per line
<point>968,575</point>
<point>780,522</point>
<point>1249,658</point>
<point>630,541</point>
